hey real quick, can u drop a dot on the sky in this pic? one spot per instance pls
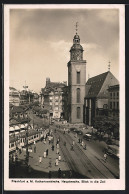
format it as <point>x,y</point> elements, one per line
<point>40,41</point>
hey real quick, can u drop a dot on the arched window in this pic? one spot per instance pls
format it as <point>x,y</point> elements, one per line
<point>78,112</point>
<point>78,95</point>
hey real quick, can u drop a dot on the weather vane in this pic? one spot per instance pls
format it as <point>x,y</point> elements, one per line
<point>76,27</point>
<point>109,65</point>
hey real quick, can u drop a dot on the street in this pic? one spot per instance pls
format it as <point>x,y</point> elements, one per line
<point>83,163</point>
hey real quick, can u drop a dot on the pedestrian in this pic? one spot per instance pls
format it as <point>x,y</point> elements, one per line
<point>73,143</point>
<point>105,157</point>
<point>57,145</point>
<point>59,158</point>
<point>58,139</point>
<point>56,163</point>
<point>82,144</point>
<point>57,151</point>
<point>52,147</point>
<point>64,130</point>
<point>59,173</point>
<point>44,141</point>
<point>44,154</point>
<point>79,140</point>
<point>47,152</point>
<point>40,159</point>
<point>64,143</point>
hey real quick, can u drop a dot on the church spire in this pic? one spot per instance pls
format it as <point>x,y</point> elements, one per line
<point>76,27</point>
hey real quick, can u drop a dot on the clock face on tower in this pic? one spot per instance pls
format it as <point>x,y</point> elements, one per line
<point>76,55</point>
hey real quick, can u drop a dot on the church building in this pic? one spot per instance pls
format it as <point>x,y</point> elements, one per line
<point>76,82</point>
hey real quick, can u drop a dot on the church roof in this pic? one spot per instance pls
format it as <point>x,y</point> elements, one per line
<point>94,84</point>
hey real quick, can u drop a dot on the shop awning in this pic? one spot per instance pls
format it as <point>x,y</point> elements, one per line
<point>11,128</point>
<point>17,127</point>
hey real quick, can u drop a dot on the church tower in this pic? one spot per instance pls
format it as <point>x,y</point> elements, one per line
<point>76,81</point>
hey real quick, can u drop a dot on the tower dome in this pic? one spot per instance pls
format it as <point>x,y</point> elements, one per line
<point>76,49</point>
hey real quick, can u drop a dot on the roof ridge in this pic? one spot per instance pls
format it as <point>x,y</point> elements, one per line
<point>98,75</point>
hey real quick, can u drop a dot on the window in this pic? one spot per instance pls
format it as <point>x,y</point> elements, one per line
<point>117,105</point>
<point>117,95</point>
<point>114,94</point>
<point>56,108</point>
<point>111,95</point>
<point>78,112</point>
<point>114,105</point>
<point>78,95</point>
<point>110,105</point>
<point>78,77</point>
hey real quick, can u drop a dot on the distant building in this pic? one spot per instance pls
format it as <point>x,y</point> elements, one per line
<point>51,98</point>
<point>14,96</point>
<point>113,102</point>
<point>97,96</point>
<point>76,82</point>
<point>28,96</point>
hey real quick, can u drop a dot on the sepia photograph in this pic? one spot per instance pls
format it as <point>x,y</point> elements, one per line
<point>64,106</point>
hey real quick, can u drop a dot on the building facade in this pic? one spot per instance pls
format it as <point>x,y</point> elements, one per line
<point>51,98</point>
<point>76,82</point>
<point>113,102</point>
<point>14,96</point>
<point>97,96</point>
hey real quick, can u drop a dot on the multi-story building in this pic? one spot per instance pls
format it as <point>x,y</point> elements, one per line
<point>52,98</point>
<point>97,96</point>
<point>113,101</point>
<point>14,96</point>
<point>76,82</point>
<point>18,120</point>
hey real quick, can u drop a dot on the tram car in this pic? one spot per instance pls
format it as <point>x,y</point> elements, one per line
<point>20,141</point>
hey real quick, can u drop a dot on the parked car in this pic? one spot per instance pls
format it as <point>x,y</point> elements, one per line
<point>112,150</point>
<point>87,136</point>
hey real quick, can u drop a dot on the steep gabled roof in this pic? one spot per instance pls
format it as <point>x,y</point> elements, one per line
<point>95,84</point>
<point>98,86</point>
